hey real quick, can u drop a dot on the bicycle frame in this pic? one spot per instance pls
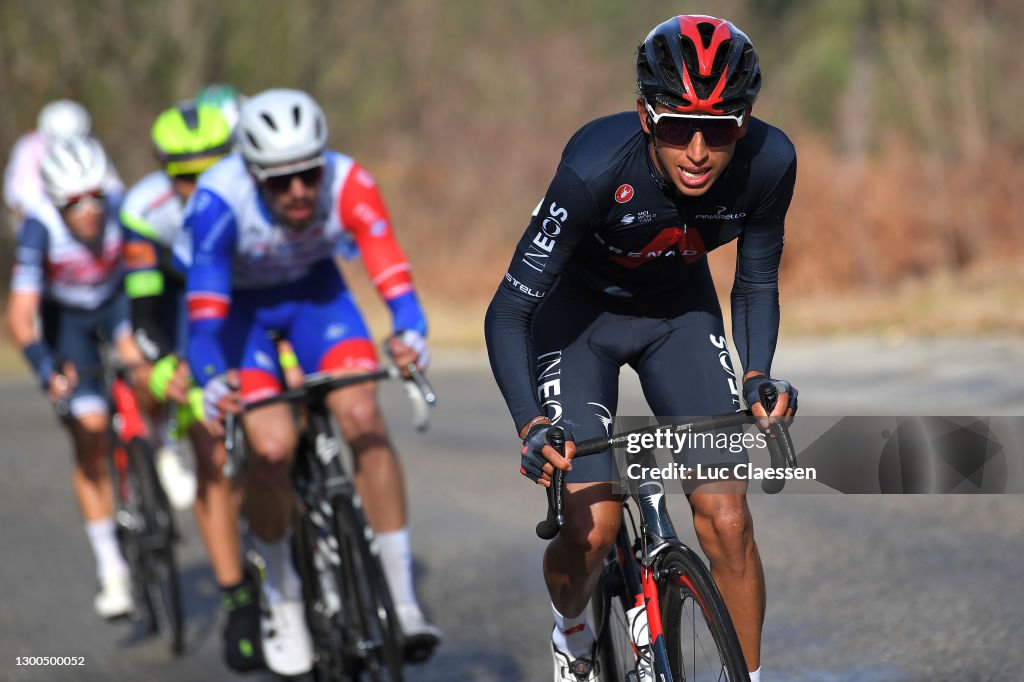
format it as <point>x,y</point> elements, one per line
<point>656,532</point>
<point>328,497</point>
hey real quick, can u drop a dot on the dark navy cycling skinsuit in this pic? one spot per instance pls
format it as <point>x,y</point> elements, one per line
<point>612,270</point>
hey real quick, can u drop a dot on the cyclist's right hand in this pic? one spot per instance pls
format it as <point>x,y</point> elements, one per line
<point>220,396</point>
<point>539,457</point>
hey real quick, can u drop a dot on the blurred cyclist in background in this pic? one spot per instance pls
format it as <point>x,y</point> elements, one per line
<point>225,98</point>
<point>263,225</point>
<point>188,139</point>
<point>68,272</point>
<point>23,186</point>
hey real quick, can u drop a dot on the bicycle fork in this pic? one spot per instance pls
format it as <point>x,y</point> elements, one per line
<point>656,532</point>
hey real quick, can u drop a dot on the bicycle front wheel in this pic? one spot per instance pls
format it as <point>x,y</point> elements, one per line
<point>156,544</point>
<point>699,636</point>
<point>366,601</point>
<point>614,644</point>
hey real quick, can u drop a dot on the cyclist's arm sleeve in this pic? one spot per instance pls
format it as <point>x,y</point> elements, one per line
<point>29,273</point>
<point>755,291</point>
<point>22,183</point>
<point>28,277</point>
<point>144,284</point>
<point>562,218</point>
<point>363,212</point>
<point>208,284</point>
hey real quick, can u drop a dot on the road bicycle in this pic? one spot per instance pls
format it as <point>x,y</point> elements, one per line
<point>689,634</point>
<point>142,513</point>
<point>349,609</point>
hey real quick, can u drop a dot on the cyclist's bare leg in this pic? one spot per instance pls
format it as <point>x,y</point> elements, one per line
<point>216,506</point>
<point>267,501</point>
<point>378,473</point>
<point>725,530</point>
<point>90,476</point>
<point>573,560</point>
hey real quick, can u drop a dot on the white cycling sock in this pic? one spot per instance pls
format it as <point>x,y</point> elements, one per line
<point>103,540</point>
<point>572,635</point>
<point>281,581</point>
<point>396,557</point>
<point>756,675</point>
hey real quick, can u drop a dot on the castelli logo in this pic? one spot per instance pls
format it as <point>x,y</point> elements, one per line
<point>624,193</point>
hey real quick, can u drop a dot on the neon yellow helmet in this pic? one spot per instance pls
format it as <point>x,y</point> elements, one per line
<point>190,138</point>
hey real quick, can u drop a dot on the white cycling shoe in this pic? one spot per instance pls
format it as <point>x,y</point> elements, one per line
<point>287,644</point>
<point>178,480</point>
<point>115,596</point>
<point>582,669</point>
<point>421,636</point>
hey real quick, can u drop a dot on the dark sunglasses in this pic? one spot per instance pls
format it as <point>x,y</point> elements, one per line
<point>280,183</point>
<point>82,200</point>
<point>678,129</point>
<point>186,177</point>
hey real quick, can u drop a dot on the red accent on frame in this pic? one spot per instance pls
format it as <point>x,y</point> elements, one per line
<point>132,424</point>
<point>652,603</point>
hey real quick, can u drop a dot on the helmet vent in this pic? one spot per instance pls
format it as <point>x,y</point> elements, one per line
<point>296,115</point>
<point>706,30</point>
<point>663,55</point>
<point>252,140</point>
<point>721,56</point>
<point>190,113</point>
<point>269,121</point>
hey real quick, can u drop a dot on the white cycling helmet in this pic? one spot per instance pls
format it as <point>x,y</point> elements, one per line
<point>62,119</point>
<point>280,127</point>
<point>72,167</point>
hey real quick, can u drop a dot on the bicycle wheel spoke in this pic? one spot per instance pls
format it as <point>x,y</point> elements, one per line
<point>701,643</point>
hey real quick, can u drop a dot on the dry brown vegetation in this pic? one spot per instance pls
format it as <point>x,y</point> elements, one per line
<point>907,215</point>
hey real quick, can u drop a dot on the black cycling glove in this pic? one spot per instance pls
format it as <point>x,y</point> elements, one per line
<point>752,390</point>
<point>532,465</point>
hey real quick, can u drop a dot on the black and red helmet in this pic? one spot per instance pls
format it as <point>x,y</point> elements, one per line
<point>698,64</point>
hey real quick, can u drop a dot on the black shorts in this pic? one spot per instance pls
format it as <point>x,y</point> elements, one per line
<point>75,334</point>
<point>677,347</point>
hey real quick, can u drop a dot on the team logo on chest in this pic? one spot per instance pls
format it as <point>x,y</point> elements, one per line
<point>670,242</point>
<point>624,193</point>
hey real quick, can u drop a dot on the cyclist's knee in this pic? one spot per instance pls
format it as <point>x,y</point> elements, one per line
<point>272,454</point>
<point>361,424</point>
<point>592,522</point>
<point>93,425</point>
<point>725,531</point>
<point>210,457</point>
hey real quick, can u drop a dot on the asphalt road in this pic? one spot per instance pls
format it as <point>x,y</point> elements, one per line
<point>861,588</point>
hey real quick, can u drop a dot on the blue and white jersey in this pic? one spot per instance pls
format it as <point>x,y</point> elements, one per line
<point>50,261</point>
<point>266,252</point>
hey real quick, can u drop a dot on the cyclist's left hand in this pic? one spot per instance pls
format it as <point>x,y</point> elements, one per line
<point>177,387</point>
<point>220,396</point>
<point>785,405</point>
<point>407,347</point>
<point>62,383</point>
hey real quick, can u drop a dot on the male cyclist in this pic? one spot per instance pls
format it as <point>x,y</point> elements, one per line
<point>612,270</point>
<point>188,139</point>
<point>264,224</point>
<point>67,272</point>
<point>23,186</point>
